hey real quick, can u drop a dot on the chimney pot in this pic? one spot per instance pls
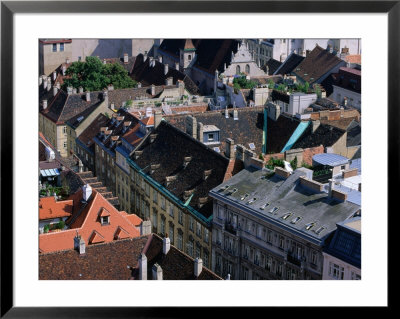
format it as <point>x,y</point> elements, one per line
<point>142,267</point>
<point>198,266</point>
<point>166,245</point>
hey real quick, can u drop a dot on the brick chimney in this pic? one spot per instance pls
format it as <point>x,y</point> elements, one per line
<point>198,267</point>
<point>142,267</point>
<point>157,272</point>
<point>166,245</point>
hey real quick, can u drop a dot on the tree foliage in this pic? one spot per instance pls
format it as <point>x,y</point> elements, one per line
<point>242,83</point>
<point>93,75</point>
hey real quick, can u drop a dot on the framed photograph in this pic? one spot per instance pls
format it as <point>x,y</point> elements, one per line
<point>23,23</point>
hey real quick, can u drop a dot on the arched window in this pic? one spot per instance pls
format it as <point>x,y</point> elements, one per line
<point>247,69</point>
<point>189,57</point>
<point>238,69</point>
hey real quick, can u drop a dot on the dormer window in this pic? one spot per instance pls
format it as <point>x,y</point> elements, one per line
<point>273,210</point>
<point>105,220</point>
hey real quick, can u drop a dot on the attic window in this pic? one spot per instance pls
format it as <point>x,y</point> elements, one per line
<point>286,216</point>
<point>244,196</point>
<point>273,210</point>
<point>295,220</point>
<point>224,188</point>
<point>251,201</point>
<point>105,220</point>
<point>319,230</point>
<point>309,226</point>
<point>264,206</point>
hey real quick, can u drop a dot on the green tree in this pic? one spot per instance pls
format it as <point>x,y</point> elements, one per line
<point>93,75</point>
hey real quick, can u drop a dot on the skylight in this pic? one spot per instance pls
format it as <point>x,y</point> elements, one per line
<point>273,210</point>
<point>295,220</point>
<point>319,230</point>
<point>286,216</point>
<point>309,226</point>
<point>264,206</point>
<point>251,201</point>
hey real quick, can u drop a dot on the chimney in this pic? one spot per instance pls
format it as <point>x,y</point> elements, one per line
<point>152,137</point>
<point>206,173</point>
<point>165,69</point>
<point>157,272</point>
<point>215,81</point>
<point>315,125</point>
<point>235,115</point>
<point>142,267</point>
<point>200,130</point>
<point>153,89</point>
<point>166,245</point>
<point>69,90</point>
<point>145,228</point>
<point>169,81</point>
<point>191,126</point>
<point>64,69</point>
<point>230,148</point>
<point>126,58</point>
<point>86,192</point>
<point>44,104</point>
<point>40,80</point>
<point>160,58</point>
<point>55,90</point>
<point>139,85</point>
<point>228,277</point>
<point>330,187</point>
<point>177,66</point>
<point>74,90</point>
<point>145,56</point>
<point>198,267</point>
<point>87,96</point>
<point>80,89</point>
<point>54,75</point>
<point>58,85</point>
<point>104,61</point>
<point>80,166</point>
<point>226,113</point>
<point>48,84</point>
<point>157,118</point>
<point>44,83</point>
<point>67,60</point>
<point>79,244</point>
<point>110,87</point>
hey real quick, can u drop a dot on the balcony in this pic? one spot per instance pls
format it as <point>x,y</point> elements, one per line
<point>294,259</point>
<point>230,228</point>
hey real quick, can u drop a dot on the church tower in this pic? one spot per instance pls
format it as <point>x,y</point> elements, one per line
<point>187,55</point>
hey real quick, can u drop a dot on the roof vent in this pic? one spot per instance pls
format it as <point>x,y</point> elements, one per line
<point>206,174</point>
<point>153,167</point>
<point>138,153</point>
<point>186,161</point>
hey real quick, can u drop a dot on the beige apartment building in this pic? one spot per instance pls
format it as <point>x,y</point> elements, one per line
<point>52,53</point>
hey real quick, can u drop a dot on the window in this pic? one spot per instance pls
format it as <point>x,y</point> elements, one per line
<point>198,229</point>
<point>191,223</point>
<point>205,258</point>
<point>105,220</point>
<point>155,219</point>
<point>198,250</point>
<point>281,242</point>
<point>314,257</point>
<point>245,273</point>
<point>355,276</point>
<point>279,267</point>
<point>247,69</point>
<point>180,217</point>
<point>171,233</point>
<point>211,137</point>
<point>189,57</point>
<point>155,196</point>
<point>171,210</point>
<point>190,248</point>
<point>206,236</point>
<point>163,202</point>
<point>269,237</point>
<point>335,271</point>
<point>61,47</point>
<point>268,263</point>
<point>79,58</point>
<point>64,129</point>
<point>102,153</point>
<point>54,47</point>
<point>238,69</point>
<point>162,224</point>
<point>180,240</point>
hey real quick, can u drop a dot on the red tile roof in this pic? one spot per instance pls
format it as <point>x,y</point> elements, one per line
<point>85,221</point>
<point>49,208</point>
<point>353,58</point>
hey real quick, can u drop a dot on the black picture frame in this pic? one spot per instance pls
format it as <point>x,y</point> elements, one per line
<point>9,8</point>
